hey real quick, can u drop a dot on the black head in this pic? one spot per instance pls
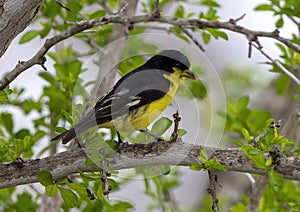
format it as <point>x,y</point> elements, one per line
<point>171,61</point>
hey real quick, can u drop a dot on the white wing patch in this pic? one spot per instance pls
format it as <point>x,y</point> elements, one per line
<point>133,103</point>
<point>122,92</point>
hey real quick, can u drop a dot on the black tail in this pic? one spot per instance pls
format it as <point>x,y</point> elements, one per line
<point>66,136</point>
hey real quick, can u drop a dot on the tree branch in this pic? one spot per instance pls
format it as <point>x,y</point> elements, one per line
<point>230,25</point>
<point>257,192</point>
<point>15,16</point>
<point>136,155</point>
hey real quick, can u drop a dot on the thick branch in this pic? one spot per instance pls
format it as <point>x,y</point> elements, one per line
<point>15,16</point>
<point>117,18</point>
<point>137,155</point>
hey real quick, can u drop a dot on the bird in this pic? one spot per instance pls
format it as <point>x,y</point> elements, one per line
<point>138,97</point>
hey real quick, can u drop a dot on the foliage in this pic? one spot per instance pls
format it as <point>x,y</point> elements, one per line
<point>64,98</point>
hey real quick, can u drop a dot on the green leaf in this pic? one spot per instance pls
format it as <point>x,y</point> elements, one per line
<point>122,206</point>
<point>3,96</point>
<point>279,23</point>
<point>181,132</point>
<point>214,164</point>
<point>45,178</point>
<point>27,142</point>
<point>205,37</point>
<point>196,167</point>
<point>177,31</point>
<point>276,180</point>
<point>179,12</point>
<point>47,76</point>
<point>203,157</point>
<point>67,116</point>
<point>22,133</point>
<point>282,83</point>
<point>69,197</point>
<point>80,189</point>
<point>239,143</point>
<point>255,155</point>
<point>209,3</point>
<point>24,202</point>
<point>222,35</point>
<point>51,190</point>
<point>28,36</point>
<point>161,126</point>
<point>198,89</point>
<point>239,207</point>
<point>264,7</point>
<point>246,135</point>
<point>7,121</point>
<point>97,14</point>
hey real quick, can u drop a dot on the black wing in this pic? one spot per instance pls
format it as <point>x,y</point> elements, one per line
<point>136,89</point>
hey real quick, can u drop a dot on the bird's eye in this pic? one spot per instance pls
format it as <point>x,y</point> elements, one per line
<point>177,65</point>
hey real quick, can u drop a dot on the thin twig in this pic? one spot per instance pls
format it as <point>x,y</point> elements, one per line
<point>190,35</point>
<point>256,193</point>
<point>213,179</point>
<point>177,119</point>
<point>156,4</point>
<point>62,5</point>
<point>279,65</point>
<point>104,178</point>
<point>235,20</point>
<point>273,125</point>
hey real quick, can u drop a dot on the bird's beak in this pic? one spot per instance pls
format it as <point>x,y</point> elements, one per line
<point>188,74</point>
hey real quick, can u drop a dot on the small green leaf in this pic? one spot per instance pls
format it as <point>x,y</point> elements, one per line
<point>203,157</point>
<point>282,83</point>
<point>214,164</point>
<point>28,36</point>
<point>67,117</point>
<point>181,132</point>
<point>80,189</point>
<point>165,170</point>
<point>60,129</point>
<point>198,89</point>
<point>276,180</point>
<point>279,22</point>
<point>3,96</point>
<point>246,135</point>
<point>254,151</point>
<point>51,190</point>
<point>264,7</point>
<point>7,121</point>
<point>255,155</point>
<point>238,143</point>
<point>27,142</point>
<point>179,12</point>
<point>161,126</point>
<point>45,178</point>
<point>47,76</point>
<point>222,35</point>
<point>205,37</point>
<point>69,197</point>
<point>196,167</point>
<point>209,3</point>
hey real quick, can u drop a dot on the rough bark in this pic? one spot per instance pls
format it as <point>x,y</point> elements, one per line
<point>15,16</point>
<point>137,155</point>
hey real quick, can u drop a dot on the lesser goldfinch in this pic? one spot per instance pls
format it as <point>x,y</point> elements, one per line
<point>138,97</point>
